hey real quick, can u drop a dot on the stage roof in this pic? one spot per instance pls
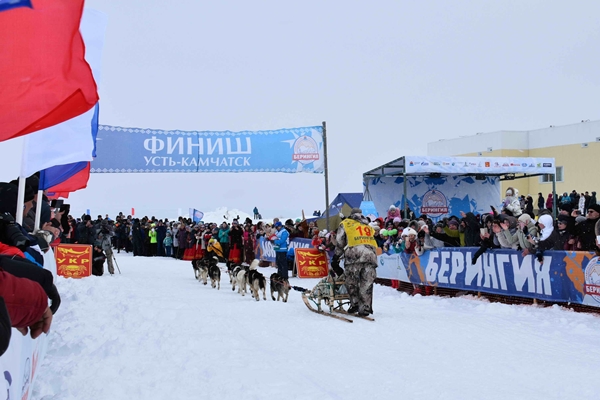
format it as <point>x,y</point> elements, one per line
<point>496,166</point>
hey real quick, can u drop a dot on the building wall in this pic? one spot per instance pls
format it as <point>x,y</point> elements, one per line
<point>574,147</point>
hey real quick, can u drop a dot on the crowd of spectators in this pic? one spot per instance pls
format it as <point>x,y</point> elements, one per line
<point>574,229</point>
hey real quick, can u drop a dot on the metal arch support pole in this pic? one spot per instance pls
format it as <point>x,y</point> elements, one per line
<point>405,202</point>
<point>554,211</point>
<point>326,173</point>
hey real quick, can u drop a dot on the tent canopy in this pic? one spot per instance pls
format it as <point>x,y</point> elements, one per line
<point>505,167</point>
<point>343,202</point>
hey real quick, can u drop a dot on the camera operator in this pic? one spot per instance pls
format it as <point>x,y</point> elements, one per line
<point>86,234</point>
<point>104,238</point>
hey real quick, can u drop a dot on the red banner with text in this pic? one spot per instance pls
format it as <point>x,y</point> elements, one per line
<point>73,260</point>
<point>311,263</point>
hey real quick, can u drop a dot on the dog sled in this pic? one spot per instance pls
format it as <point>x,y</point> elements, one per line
<point>331,292</point>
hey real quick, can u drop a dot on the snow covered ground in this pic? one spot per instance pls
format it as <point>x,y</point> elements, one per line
<point>154,332</point>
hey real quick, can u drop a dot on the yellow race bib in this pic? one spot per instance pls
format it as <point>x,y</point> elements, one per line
<point>358,233</point>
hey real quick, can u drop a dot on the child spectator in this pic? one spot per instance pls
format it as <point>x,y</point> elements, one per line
<point>168,244</point>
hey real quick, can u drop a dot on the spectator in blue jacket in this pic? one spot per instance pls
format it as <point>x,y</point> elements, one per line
<point>280,244</point>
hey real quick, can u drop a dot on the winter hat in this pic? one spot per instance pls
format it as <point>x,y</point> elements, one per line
<point>562,218</point>
<point>579,219</point>
<point>525,218</point>
<point>392,208</point>
<point>87,217</point>
<point>8,197</point>
<point>453,222</point>
<point>408,232</point>
<point>298,220</point>
<point>595,207</point>
<point>356,210</point>
<point>278,224</point>
<point>397,220</point>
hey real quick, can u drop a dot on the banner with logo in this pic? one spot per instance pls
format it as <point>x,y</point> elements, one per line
<point>265,250</point>
<point>73,260</point>
<point>311,263</point>
<point>480,165</point>
<point>148,150</point>
<point>565,276</point>
<point>437,197</point>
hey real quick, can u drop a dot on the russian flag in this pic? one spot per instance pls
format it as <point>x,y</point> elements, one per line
<point>44,77</point>
<point>77,181</point>
<point>72,141</point>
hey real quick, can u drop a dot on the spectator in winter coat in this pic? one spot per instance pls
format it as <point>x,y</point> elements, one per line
<point>566,240</point>
<point>449,234</point>
<point>161,233</point>
<point>393,212</point>
<point>508,225</point>
<point>549,239</point>
<point>471,229</point>
<point>248,245</point>
<point>526,227</point>
<point>549,202</point>
<point>511,204</point>
<point>236,238</point>
<point>581,205</point>
<point>214,249</point>
<point>529,206</point>
<point>540,201</point>
<point>280,244</point>
<point>153,240</point>
<point>168,244</point>
<point>223,238</point>
<point>488,237</point>
<point>585,231</point>
<point>86,234</point>
<point>182,240</point>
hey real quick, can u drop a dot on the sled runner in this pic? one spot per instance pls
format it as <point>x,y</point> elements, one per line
<point>333,294</point>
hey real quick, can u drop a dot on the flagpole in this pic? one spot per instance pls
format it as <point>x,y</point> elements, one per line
<point>38,210</point>
<point>20,201</point>
<point>326,172</point>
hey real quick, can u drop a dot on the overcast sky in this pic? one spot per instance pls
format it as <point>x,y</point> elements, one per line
<point>388,77</point>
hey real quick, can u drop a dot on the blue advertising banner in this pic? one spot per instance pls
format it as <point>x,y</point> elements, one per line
<point>294,150</point>
<point>438,197</point>
<point>266,252</point>
<point>565,276</point>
